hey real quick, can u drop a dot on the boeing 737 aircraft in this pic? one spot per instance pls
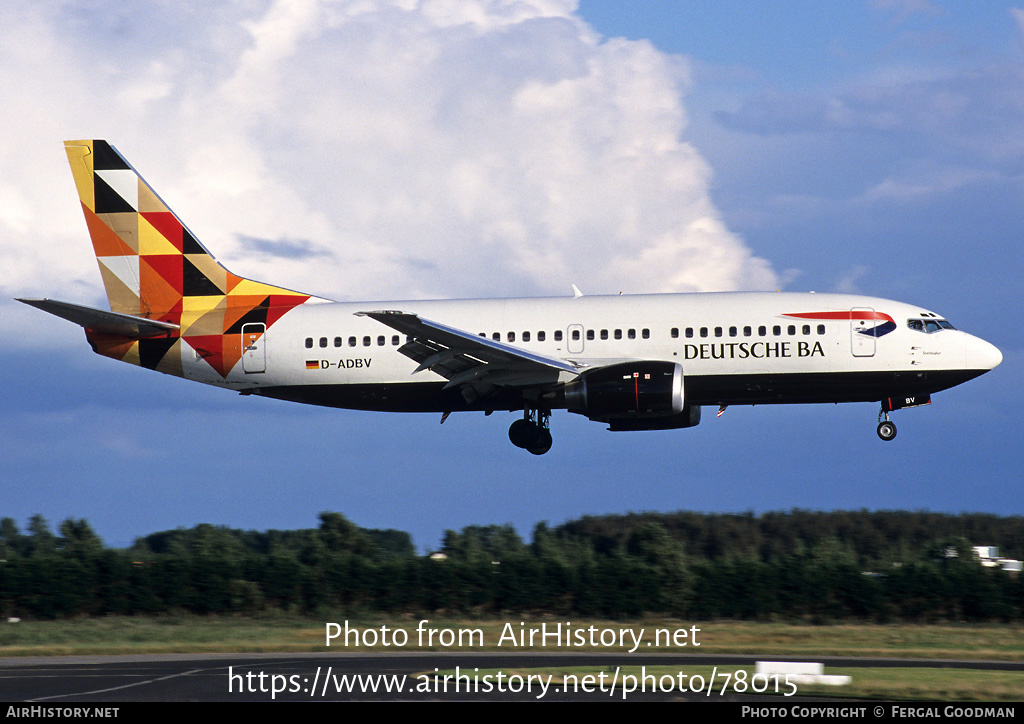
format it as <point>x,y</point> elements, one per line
<point>646,362</point>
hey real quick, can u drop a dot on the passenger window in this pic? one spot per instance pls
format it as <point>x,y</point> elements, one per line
<point>631,333</point>
<point>380,341</point>
<point>689,332</point>
<point>747,331</point>
<point>558,335</point>
<point>394,341</point>
<point>733,331</point>
<point>762,331</point>
<point>590,334</point>
<point>645,333</point>
<point>323,341</point>
<point>526,336</point>
<point>366,341</point>
<point>604,334</point>
<point>618,334</point>
<point>821,329</point>
<point>576,335</point>
<point>806,329</point>
<point>674,333</point>
<point>718,331</point>
<point>791,329</point>
<point>309,343</point>
<point>496,337</point>
<point>511,336</point>
<point>703,331</point>
<point>351,341</point>
<point>337,341</point>
<point>777,330</point>
<point>540,336</point>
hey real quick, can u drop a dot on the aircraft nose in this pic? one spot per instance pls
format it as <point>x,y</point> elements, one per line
<point>981,355</point>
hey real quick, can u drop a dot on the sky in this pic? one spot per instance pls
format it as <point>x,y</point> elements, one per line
<point>452,149</point>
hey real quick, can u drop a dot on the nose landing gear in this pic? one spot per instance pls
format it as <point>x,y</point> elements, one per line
<point>532,432</point>
<point>886,428</point>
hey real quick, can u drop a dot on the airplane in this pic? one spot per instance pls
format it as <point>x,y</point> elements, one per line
<point>633,362</point>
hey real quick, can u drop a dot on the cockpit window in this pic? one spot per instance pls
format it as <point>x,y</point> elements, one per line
<point>928,326</point>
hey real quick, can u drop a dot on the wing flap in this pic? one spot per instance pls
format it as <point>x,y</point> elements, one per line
<point>98,320</point>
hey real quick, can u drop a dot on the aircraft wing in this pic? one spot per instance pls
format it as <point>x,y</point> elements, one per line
<point>98,320</point>
<point>469,360</point>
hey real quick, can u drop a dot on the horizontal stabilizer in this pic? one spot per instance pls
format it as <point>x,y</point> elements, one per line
<point>98,320</point>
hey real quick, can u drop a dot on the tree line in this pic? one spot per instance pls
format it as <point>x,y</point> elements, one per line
<point>798,565</point>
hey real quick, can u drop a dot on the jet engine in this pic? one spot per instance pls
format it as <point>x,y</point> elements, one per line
<point>641,395</point>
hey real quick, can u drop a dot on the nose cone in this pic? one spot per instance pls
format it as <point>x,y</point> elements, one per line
<point>980,355</point>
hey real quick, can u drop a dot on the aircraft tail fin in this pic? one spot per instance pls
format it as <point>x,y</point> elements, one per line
<point>154,267</point>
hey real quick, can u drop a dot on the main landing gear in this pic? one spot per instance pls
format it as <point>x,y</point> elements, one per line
<point>886,428</point>
<point>532,433</point>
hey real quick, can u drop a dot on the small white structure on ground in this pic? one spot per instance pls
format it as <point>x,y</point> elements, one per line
<point>799,672</point>
<point>990,558</point>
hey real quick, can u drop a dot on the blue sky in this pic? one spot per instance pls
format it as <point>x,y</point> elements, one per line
<point>869,147</point>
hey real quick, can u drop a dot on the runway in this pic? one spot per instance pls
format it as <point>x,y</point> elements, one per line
<point>373,677</point>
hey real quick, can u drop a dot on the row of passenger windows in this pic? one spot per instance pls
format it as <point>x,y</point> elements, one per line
<point>762,331</point>
<point>354,341</point>
<point>526,336</point>
<point>576,334</point>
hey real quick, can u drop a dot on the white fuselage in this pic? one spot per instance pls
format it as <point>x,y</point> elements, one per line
<point>734,348</point>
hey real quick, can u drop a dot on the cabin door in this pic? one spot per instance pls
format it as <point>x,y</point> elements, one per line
<point>862,332</point>
<point>254,347</point>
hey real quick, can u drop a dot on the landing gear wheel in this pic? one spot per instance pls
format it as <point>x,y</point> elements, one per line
<point>532,433</point>
<point>541,443</point>
<point>521,433</point>
<point>886,430</point>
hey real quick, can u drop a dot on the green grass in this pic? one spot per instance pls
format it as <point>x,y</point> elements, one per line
<point>187,633</point>
<point>912,684</point>
<point>897,684</point>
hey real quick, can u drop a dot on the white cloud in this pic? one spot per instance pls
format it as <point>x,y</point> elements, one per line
<point>1018,17</point>
<point>434,148</point>
<point>904,9</point>
<point>848,283</point>
<point>927,182</point>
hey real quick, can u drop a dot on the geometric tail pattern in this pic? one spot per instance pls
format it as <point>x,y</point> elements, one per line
<point>152,266</point>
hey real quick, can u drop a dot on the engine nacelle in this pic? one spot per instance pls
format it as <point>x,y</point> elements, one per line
<point>629,391</point>
<point>689,417</point>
